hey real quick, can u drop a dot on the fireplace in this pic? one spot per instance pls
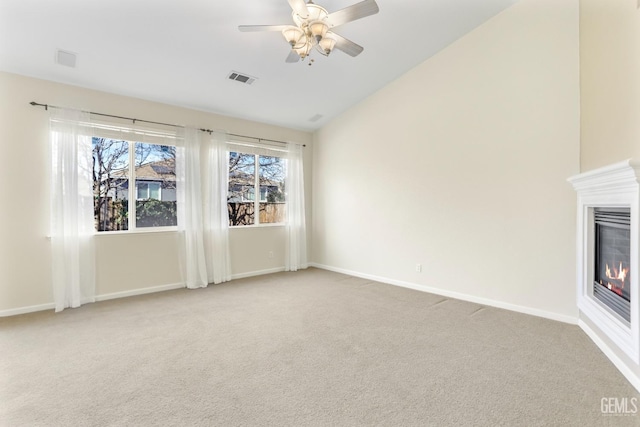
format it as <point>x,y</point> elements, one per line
<point>608,241</point>
<point>612,260</point>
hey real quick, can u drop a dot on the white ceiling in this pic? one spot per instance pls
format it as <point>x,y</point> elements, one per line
<point>180,51</point>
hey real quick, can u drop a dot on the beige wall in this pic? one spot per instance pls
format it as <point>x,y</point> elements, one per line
<point>610,98</point>
<point>461,165</point>
<point>125,262</point>
<point>610,82</point>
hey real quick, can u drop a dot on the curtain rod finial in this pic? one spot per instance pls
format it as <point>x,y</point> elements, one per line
<point>34,103</point>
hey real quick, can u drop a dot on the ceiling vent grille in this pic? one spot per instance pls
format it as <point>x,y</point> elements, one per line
<point>242,78</point>
<point>68,59</point>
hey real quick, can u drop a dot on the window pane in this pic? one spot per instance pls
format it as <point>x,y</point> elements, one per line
<point>272,174</point>
<point>155,172</point>
<point>242,169</point>
<point>142,190</point>
<point>154,190</point>
<point>110,184</point>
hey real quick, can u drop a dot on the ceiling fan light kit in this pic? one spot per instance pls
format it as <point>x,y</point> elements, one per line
<point>309,30</point>
<point>314,28</point>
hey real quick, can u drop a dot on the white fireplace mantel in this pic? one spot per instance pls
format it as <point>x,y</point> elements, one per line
<point>614,186</point>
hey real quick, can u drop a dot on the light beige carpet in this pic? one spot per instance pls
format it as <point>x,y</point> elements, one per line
<point>296,349</point>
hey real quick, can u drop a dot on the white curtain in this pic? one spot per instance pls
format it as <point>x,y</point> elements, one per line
<point>216,218</point>
<point>202,208</point>
<point>296,244</point>
<point>190,222</point>
<point>72,221</point>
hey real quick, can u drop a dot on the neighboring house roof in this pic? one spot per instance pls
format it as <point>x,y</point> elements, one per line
<point>161,170</point>
<point>241,178</point>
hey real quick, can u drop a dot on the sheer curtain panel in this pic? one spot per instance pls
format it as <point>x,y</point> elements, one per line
<point>216,222</point>
<point>296,244</point>
<point>72,222</point>
<point>201,171</point>
<point>190,204</point>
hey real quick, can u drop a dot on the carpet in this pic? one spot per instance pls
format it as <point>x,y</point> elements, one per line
<point>311,348</point>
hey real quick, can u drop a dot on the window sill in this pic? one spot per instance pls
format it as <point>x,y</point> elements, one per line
<point>154,230</point>
<point>240,227</point>
<point>160,230</point>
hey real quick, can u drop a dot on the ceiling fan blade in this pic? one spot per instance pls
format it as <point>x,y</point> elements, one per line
<point>299,7</point>
<point>293,57</point>
<point>351,13</point>
<point>251,28</point>
<point>347,46</point>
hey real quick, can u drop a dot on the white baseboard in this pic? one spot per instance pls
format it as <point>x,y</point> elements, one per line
<point>104,297</point>
<point>611,355</point>
<point>256,273</point>
<point>131,293</point>
<point>142,291</point>
<point>456,295</point>
<point>25,310</point>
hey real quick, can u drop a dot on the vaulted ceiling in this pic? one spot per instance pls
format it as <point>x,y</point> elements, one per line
<point>181,52</point>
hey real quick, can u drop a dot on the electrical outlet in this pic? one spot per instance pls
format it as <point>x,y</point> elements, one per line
<point>419,268</point>
<point>270,254</point>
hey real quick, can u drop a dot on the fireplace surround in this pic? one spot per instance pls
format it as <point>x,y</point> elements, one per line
<point>607,252</point>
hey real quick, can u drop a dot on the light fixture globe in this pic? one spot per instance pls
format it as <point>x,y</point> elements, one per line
<point>318,29</point>
<point>294,36</point>
<point>327,43</point>
<point>305,50</point>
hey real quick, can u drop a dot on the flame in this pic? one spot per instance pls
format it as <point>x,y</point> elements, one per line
<point>618,273</point>
<point>618,276</point>
<point>622,275</point>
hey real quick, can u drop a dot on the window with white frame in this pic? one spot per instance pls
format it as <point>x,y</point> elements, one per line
<point>256,174</point>
<point>150,202</point>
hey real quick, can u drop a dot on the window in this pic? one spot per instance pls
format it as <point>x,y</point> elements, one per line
<point>152,198</point>
<point>147,190</point>
<point>251,175</point>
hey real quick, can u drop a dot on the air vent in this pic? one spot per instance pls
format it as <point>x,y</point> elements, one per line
<point>68,59</point>
<point>242,78</point>
<point>316,118</point>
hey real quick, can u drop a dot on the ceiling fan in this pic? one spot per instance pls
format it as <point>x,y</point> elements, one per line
<point>314,28</point>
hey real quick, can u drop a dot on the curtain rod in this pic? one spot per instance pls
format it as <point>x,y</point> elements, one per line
<point>210,131</point>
